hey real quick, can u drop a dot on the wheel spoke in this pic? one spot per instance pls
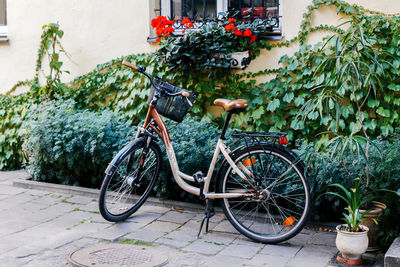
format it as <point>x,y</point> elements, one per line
<point>283,195</point>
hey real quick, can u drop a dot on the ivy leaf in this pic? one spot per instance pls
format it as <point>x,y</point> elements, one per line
<point>258,101</point>
<point>394,87</point>
<point>383,112</point>
<point>273,105</point>
<point>372,103</point>
<point>298,101</point>
<point>355,127</point>
<point>288,97</point>
<point>258,113</point>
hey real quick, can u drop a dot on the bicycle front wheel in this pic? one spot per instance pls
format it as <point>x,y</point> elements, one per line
<point>277,203</point>
<point>131,180</point>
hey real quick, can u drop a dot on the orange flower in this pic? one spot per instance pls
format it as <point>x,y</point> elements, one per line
<point>238,32</point>
<point>230,27</point>
<point>232,20</point>
<point>253,38</point>
<point>247,33</point>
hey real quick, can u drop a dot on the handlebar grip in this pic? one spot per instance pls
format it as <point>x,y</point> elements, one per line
<point>185,94</point>
<point>130,65</point>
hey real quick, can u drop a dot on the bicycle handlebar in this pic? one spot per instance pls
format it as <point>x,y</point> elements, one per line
<point>130,65</point>
<point>141,69</point>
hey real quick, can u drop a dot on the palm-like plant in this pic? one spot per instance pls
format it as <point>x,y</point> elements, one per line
<point>357,75</point>
<point>354,201</point>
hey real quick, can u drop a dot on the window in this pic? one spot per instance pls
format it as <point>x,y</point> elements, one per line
<point>3,21</point>
<point>246,10</point>
<point>194,9</point>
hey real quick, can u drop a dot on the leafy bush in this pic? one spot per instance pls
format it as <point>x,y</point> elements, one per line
<point>13,112</point>
<point>70,146</point>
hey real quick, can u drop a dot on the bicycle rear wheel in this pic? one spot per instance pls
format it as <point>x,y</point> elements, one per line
<point>281,208</point>
<point>130,182</point>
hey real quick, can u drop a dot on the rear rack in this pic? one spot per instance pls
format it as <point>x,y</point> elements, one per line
<point>259,138</point>
<point>237,134</point>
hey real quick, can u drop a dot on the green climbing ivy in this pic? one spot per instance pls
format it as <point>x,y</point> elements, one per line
<point>274,104</point>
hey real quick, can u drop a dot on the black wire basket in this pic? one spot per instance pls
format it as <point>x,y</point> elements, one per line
<point>172,107</point>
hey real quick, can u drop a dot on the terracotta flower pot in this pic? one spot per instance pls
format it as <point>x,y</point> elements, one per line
<point>376,211</point>
<point>351,244</point>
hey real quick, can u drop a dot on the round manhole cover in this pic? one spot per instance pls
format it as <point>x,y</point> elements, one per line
<point>117,255</point>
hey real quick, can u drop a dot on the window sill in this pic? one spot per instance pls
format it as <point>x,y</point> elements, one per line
<point>3,34</point>
<point>153,40</point>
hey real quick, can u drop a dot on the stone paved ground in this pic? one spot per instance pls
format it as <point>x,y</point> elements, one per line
<point>41,228</point>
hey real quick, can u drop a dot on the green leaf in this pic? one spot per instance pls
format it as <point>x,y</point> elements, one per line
<point>383,112</point>
<point>273,105</point>
<point>288,97</point>
<point>372,103</point>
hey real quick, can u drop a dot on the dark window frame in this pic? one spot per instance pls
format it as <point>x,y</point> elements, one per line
<point>274,33</point>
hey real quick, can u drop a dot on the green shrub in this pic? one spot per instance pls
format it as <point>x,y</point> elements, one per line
<point>13,112</point>
<point>385,173</point>
<point>70,146</point>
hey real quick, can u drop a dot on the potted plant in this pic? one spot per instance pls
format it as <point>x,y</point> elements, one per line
<point>223,42</point>
<point>352,237</point>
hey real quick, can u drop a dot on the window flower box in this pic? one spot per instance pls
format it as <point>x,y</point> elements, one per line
<point>224,42</point>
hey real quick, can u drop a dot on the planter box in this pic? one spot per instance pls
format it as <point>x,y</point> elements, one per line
<point>236,60</point>
<point>239,60</point>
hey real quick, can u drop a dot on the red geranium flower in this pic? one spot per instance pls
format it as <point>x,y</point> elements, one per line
<point>185,21</point>
<point>232,20</point>
<point>155,22</point>
<point>160,31</point>
<point>158,39</point>
<point>169,29</point>
<point>253,38</point>
<point>230,27</point>
<point>247,33</point>
<point>238,32</point>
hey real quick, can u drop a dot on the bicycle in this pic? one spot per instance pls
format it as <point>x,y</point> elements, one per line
<point>261,185</point>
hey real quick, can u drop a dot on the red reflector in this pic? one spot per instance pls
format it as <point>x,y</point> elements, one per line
<point>283,140</point>
<point>309,167</point>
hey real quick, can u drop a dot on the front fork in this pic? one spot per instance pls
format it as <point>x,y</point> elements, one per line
<point>135,179</point>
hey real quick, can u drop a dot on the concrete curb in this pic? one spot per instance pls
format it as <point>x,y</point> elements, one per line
<point>392,256</point>
<point>94,193</point>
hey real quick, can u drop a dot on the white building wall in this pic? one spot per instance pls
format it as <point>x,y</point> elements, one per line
<point>100,30</point>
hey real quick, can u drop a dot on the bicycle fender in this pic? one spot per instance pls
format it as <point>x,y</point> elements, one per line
<point>126,150</point>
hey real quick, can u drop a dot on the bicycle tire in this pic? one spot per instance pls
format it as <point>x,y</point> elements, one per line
<point>277,217</point>
<point>126,187</point>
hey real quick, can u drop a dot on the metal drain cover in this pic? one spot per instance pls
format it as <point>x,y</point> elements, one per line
<point>117,255</point>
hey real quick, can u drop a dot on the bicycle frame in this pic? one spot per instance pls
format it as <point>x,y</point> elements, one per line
<point>180,177</point>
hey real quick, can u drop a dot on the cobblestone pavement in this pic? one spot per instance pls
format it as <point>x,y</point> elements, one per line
<point>41,228</point>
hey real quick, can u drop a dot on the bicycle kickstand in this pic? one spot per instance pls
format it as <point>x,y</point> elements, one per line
<point>207,215</point>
